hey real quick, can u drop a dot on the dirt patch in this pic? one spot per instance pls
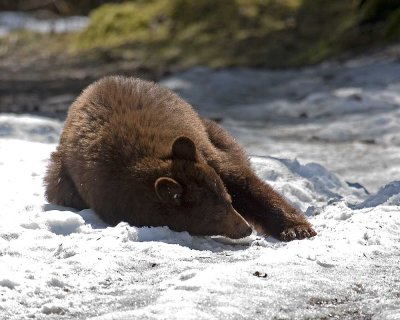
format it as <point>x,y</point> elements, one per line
<point>48,84</point>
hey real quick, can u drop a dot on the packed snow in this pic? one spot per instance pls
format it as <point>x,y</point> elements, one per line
<point>59,263</point>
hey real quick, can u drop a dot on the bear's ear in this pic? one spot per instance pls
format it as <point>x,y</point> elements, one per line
<point>168,191</point>
<point>183,148</point>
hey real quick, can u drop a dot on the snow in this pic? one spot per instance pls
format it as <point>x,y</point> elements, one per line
<point>28,127</point>
<point>386,195</point>
<point>59,263</point>
<point>10,20</point>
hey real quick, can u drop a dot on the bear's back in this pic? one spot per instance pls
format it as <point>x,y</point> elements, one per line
<point>117,94</point>
<point>119,120</point>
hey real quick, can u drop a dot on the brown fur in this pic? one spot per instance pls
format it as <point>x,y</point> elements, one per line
<point>136,152</point>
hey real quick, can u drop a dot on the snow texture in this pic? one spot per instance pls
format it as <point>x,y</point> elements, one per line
<point>59,263</point>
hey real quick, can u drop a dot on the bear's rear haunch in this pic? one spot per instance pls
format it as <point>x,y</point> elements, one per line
<point>136,152</point>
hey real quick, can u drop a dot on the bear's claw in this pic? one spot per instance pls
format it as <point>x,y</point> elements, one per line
<point>297,232</point>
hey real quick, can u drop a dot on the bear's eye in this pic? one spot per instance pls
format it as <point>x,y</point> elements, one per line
<point>177,198</point>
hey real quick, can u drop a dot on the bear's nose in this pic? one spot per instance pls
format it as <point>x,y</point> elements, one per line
<point>239,227</point>
<point>244,230</point>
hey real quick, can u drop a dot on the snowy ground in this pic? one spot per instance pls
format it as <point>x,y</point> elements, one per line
<point>56,263</point>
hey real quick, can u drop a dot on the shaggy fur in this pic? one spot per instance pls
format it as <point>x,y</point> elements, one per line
<point>134,151</point>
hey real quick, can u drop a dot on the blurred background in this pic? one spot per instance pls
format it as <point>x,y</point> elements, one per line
<point>316,80</point>
<point>51,49</point>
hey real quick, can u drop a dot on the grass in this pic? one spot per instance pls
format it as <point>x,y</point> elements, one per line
<point>166,35</point>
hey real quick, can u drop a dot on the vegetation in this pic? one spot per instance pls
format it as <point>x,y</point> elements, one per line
<point>166,35</point>
<point>269,33</point>
<point>181,33</point>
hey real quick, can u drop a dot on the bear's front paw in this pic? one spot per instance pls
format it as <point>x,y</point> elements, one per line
<point>297,232</point>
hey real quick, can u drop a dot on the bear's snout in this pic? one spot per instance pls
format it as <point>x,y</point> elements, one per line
<point>238,227</point>
<point>244,230</point>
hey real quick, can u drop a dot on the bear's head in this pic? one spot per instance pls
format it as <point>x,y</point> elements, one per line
<point>195,198</point>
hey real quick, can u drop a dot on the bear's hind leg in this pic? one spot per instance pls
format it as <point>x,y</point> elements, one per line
<point>60,189</point>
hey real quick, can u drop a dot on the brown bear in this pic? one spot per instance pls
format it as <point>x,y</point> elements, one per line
<point>134,151</point>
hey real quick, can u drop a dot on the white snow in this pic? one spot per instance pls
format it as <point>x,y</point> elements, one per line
<point>28,127</point>
<point>10,20</point>
<point>57,263</point>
